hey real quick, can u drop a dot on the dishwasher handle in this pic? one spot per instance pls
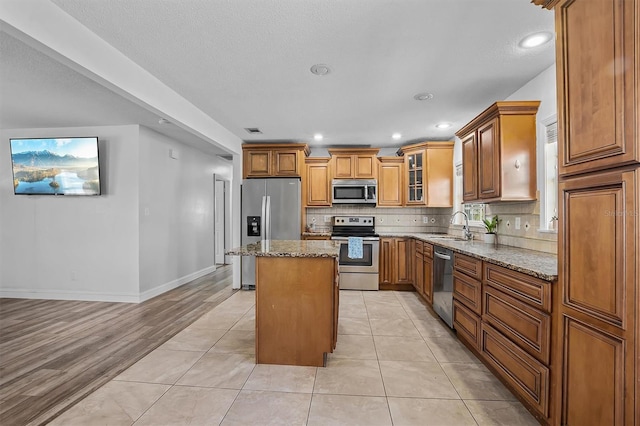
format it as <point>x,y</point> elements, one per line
<point>442,256</point>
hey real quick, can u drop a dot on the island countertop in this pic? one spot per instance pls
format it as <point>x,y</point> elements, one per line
<point>288,248</point>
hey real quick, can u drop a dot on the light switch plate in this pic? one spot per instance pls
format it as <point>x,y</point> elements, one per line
<point>517,224</point>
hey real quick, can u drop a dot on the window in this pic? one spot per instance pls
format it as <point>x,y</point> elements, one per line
<point>549,202</point>
<point>474,211</point>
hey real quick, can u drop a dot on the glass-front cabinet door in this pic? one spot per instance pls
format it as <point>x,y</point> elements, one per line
<point>415,164</point>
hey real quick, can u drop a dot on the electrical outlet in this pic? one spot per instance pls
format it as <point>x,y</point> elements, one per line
<point>425,219</point>
<point>517,224</point>
<point>327,219</point>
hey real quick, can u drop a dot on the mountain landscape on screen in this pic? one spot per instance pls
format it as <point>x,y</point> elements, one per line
<point>60,166</point>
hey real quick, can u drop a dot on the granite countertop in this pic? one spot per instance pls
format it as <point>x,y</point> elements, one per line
<point>535,263</point>
<point>288,248</point>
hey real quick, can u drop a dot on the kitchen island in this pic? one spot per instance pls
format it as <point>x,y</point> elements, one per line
<point>297,298</point>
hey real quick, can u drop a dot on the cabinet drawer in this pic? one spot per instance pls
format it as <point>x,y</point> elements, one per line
<point>419,246</point>
<point>428,250</point>
<point>467,324</point>
<point>467,291</point>
<point>524,373</point>
<point>525,288</point>
<point>468,265</point>
<point>529,328</point>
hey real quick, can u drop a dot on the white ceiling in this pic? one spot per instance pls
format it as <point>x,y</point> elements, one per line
<point>245,63</point>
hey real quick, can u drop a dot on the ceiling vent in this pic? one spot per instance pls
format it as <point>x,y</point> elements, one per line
<point>253,130</point>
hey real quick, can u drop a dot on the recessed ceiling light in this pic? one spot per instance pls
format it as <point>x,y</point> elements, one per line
<point>396,136</point>
<point>535,40</point>
<point>423,96</point>
<point>317,137</point>
<point>320,69</point>
<point>443,125</point>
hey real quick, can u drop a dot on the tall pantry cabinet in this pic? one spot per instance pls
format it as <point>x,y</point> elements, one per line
<point>597,302</point>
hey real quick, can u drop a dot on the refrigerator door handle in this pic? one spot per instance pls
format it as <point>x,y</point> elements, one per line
<point>263,218</point>
<point>268,220</point>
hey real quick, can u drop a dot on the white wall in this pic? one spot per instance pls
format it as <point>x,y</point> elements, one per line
<point>543,88</point>
<point>73,247</point>
<point>176,212</point>
<point>106,247</point>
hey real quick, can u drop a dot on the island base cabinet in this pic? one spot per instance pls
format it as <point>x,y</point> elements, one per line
<point>296,304</point>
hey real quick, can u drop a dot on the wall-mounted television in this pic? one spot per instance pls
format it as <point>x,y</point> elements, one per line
<point>55,166</point>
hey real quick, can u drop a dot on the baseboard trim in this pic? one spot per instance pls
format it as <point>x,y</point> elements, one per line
<point>10,293</point>
<point>156,291</point>
<point>13,293</point>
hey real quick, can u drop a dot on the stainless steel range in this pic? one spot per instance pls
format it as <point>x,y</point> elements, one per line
<point>359,273</point>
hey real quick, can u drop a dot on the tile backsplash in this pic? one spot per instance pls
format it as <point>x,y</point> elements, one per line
<point>411,220</point>
<point>401,219</point>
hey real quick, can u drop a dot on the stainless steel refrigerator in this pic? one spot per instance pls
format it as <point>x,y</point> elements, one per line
<point>270,211</point>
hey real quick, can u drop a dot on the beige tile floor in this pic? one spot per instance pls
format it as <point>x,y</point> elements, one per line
<point>395,364</point>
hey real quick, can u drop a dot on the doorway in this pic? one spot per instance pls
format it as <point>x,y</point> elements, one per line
<point>220,208</point>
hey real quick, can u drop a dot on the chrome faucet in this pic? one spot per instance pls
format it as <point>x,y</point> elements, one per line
<point>467,232</point>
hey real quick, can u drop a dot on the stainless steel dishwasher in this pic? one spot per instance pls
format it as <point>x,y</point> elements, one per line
<point>443,284</point>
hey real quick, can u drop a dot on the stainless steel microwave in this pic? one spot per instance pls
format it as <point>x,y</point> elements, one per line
<point>354,191</point>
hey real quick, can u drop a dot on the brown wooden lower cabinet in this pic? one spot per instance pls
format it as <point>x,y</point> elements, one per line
<point>528,376</point>
<point>598,303</point>
<point>468,291</point>
<point>427,274</point>
<point>423,270</point>
<point>466,324</point>
<point>528,327</point>
<point>467,298</point>
<point>418,278</point>
<point>504,315</point>
<point>396,260</point>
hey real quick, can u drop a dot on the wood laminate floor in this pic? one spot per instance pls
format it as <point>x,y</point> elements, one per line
<point>53,353</point>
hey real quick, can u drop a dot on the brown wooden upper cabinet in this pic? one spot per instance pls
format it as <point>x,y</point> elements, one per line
<point>318,185</point>
<point>273,160</point>
<point>428,174</point>
<point>499,153</point>
<point>598,90</point>
<point>349,163</point>
<point>390,181</point>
